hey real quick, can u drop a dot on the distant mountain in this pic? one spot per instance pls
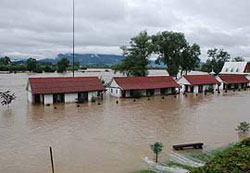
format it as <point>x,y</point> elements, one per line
<point>94,60</point>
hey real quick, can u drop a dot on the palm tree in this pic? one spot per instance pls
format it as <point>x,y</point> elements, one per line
<point>157,149</point>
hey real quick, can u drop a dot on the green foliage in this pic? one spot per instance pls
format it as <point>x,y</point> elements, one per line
<point>243,127</point>
<point>216,60</point>
<point>62,65</point>
<point>31,64</point>
<point>157,148</point>
<point>190,58</point>
<point>144,171</point>
<point>175,52</point>
<point>232,159</point>
<point>238,59</point>
<point>136,56</point>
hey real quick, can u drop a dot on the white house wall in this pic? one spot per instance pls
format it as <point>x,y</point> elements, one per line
<point>30,97</point>
<point>71,97</point>
<point>48,99</point>
<point>182,82</point>
<point>114,89</point>
<point>92,95</point>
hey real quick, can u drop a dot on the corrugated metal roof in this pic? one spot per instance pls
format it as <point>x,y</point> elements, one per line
<point>233,79</point>
<point>52,85</point>
<point>233,68</point>
<point>152,82</point>
<point>201,79</point>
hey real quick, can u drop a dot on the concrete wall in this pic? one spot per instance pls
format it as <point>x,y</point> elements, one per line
<point>48,99</point>
<point>92,95</point>
<point>30,97</point>
<point>71,97</point>
<point>116,92</point>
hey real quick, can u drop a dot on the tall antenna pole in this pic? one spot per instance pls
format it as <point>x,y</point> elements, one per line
<point>73,38</point>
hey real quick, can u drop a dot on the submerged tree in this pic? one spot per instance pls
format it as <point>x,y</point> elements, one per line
<point>136,56</point>
<point>62,65</point>
<point>7,97</point>
<point>31,64</point>
<point>157,148</point>
<point>243,127</point>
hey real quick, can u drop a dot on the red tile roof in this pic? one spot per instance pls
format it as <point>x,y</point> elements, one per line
<point>232,79</point>
<point>139,83</point>
<point>51,85</point>
<point>201,79</point>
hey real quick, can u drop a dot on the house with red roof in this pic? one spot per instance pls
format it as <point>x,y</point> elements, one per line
<point>198,83</point>
<point>233,81</point>
<point>49,90</point>
<point>142,86</point>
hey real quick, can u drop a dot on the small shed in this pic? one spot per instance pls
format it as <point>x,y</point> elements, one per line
<point>198,83</point>
<point>233,81</point>
<point>142,86</point>
<point>49,90</point>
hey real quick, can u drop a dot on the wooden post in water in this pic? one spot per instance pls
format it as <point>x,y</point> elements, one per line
<point>51,158</point>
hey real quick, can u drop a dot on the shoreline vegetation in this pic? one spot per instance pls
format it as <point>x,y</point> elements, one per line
<point>233,158</point>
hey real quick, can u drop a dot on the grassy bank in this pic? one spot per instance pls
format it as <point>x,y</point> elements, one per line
<point>233,158</point>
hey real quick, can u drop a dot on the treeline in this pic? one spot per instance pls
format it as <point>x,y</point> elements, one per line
<point>33,65</point>
<point>173,50</point>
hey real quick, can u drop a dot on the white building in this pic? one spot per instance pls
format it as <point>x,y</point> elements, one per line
<point>142,86</point>
<point>198,83</point>
<point>51,90</point>
<point>235,68</point>
<point>232,81</point>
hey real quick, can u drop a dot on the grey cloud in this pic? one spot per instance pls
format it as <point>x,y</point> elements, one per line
<point>44,28</point>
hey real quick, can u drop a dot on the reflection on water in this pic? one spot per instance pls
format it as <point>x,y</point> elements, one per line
<point>110,137</point>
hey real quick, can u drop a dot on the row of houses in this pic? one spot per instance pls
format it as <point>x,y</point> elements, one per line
<point>81,89</point>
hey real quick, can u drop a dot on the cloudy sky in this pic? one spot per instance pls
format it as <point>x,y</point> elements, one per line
<point>42,29</point>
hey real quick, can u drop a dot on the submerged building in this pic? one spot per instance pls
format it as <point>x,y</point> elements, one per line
<point>198,83</point>
<point>49,90</point>
<point>142,86</point>
<point>232,81</point>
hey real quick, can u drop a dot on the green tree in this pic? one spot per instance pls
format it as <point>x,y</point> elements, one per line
<point>217,59</point>
<point>238,59</point>
<point>243,127</point>
<point>170,46</point>
<point>189,59</point>
<point>136,56</point>
<point>5,61</point>
<point>157,148</point>
<point>62,65</point>
<point>31,64</point>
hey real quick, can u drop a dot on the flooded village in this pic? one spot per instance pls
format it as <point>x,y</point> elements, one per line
<point>123,86</point>
<point>113,134</point>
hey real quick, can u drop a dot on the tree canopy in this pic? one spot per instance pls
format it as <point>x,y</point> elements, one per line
<point>238,59</point>
<point>216,60</point>
<point>31,64</point>
<point>62,65</point>
<point>136,56</point>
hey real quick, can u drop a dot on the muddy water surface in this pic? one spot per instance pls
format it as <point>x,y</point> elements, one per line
<point>110,137</point>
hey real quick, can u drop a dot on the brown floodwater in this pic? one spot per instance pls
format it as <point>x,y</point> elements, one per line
<point>110,137</point>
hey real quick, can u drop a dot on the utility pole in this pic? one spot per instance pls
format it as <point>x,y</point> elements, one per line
<point>73,38</point>
<point>51,159</point>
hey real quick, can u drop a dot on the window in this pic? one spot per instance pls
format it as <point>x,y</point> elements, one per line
<point>111,90</point>
<point>232,69</point>
<point>237,70</point>
<point>116,91</point>
<point>226,69</point>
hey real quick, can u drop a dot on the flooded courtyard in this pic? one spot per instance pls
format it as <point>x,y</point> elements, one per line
<point>110,137</point>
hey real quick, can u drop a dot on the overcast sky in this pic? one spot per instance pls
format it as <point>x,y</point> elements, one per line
<point>42,29</point>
